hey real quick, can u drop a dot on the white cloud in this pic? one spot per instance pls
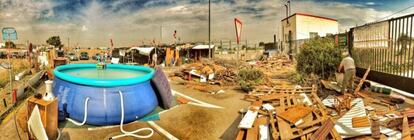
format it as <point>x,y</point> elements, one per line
<point>84,28</point>
<point>260,20</point>
<point>370,3</point>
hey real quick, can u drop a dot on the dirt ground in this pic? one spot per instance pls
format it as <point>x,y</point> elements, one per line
<point>184,121</point>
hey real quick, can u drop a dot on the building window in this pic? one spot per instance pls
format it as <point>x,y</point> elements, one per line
<point>313,34</point>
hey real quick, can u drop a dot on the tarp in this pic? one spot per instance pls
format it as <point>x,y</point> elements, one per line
<point>199,47</point>
<point>144,51</point>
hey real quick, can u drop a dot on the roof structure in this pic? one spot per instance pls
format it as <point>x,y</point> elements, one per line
<point>199,47</point>
<point>309,15</point>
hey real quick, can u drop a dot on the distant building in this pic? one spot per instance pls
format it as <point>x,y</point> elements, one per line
<point>303,26</point>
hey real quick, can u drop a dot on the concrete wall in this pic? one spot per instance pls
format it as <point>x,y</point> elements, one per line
<point>302,25</point>
<point>289,25</point>
<point>307,24</point>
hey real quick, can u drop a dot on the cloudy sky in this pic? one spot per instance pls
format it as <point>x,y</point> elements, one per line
<point>91,23</point>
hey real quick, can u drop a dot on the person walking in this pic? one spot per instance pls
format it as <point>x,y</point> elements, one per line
<point>347,66</point>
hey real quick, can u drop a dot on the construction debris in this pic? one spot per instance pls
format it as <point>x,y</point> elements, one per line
<point>290,114</point>
<point>294,113</point>
<point>208,71</point>
<point>360,122</point>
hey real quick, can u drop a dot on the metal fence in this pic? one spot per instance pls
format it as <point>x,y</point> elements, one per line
<point>386,46</point>
<point>232,46</point>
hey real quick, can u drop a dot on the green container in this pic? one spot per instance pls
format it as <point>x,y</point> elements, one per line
<point>383,90</point>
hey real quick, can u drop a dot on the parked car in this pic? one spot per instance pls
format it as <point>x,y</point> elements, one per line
<point>15,55</point>
<point>72,57</point>
<point>96,56</point>
<point>84,56</point>
<point>3,55</point>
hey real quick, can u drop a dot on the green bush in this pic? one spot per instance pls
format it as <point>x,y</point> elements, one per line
<point>319,56</point>
<point>249,77</point>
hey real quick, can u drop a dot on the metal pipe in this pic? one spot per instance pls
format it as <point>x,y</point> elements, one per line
<point>289,7</point>
<point>409,51</point>
<point>287,12</point>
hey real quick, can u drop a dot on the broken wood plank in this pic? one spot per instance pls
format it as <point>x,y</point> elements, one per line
<point>305,132</point>
<point>295,113</point>
<point>360,122</point>
<point>263,124</point>
<point>257,104</point>
<point>182,100</point>
<point>406,134</point>
<point>248,119</point>
<point>284,127</point>
<point>361,82</point>
<point>324,130</point>
<point>335,135</point>
<point>253,133</point>
<point>275,134</point>
<point>241,134</point>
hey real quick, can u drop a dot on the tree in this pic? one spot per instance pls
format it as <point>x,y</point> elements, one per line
<point>319,56</point>
<point>10,44</point>
<point>261,44</point>
<point>55,41</point>
<point>403,40</point>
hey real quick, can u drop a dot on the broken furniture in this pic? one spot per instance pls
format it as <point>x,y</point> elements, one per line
<point>48,114</point>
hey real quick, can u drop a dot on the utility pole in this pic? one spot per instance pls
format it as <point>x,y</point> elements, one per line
<point>161,34</point>
<point>209,29</point>
<point>68,43</point>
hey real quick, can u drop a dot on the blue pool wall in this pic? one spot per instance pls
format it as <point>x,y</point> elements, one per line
<point>104,106</point>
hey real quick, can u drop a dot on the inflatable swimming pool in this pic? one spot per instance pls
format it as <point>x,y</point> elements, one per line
<point>82,88</point>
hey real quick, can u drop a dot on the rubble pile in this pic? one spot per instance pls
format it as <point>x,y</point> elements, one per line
<point>276,67</point>
<point>298,113</point>
<point>288,113</point>
<point>208,71</point>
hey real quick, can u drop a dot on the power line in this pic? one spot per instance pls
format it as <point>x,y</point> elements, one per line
<point>396,13</point>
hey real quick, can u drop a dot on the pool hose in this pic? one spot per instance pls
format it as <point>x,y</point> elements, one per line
<point>126,133</point>
<point>85,115</point>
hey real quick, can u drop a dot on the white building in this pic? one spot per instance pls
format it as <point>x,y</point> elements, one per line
<point>303,26</point>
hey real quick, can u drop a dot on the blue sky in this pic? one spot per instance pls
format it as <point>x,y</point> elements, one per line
<point>91,23</point>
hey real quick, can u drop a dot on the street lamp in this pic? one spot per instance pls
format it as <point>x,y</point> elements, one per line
<point>9,33</point>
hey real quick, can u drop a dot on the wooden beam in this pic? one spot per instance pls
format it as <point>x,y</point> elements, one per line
<point>324,130</point>
<point>241,134</point>
<point>361,82</point>
<point>253,133</point>
<point>275,134</point>
<point>406,134</point>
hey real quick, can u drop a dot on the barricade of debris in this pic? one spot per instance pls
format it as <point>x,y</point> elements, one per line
<point>298,113</point>
<point>208,71</point>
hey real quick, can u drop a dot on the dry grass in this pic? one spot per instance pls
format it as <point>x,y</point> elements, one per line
<point>18,66</point>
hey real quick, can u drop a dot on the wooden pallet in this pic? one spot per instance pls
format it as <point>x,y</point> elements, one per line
<point>312,122</point>
<point>284,98</point>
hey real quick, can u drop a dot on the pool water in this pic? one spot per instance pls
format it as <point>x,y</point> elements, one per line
<point>105,74</point>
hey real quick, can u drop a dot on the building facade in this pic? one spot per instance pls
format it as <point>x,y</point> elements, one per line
<point>301,26</point>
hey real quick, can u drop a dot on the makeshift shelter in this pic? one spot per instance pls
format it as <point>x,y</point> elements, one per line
<point>172,56</point>
<point>201,51</point>
<point>140,55</point>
